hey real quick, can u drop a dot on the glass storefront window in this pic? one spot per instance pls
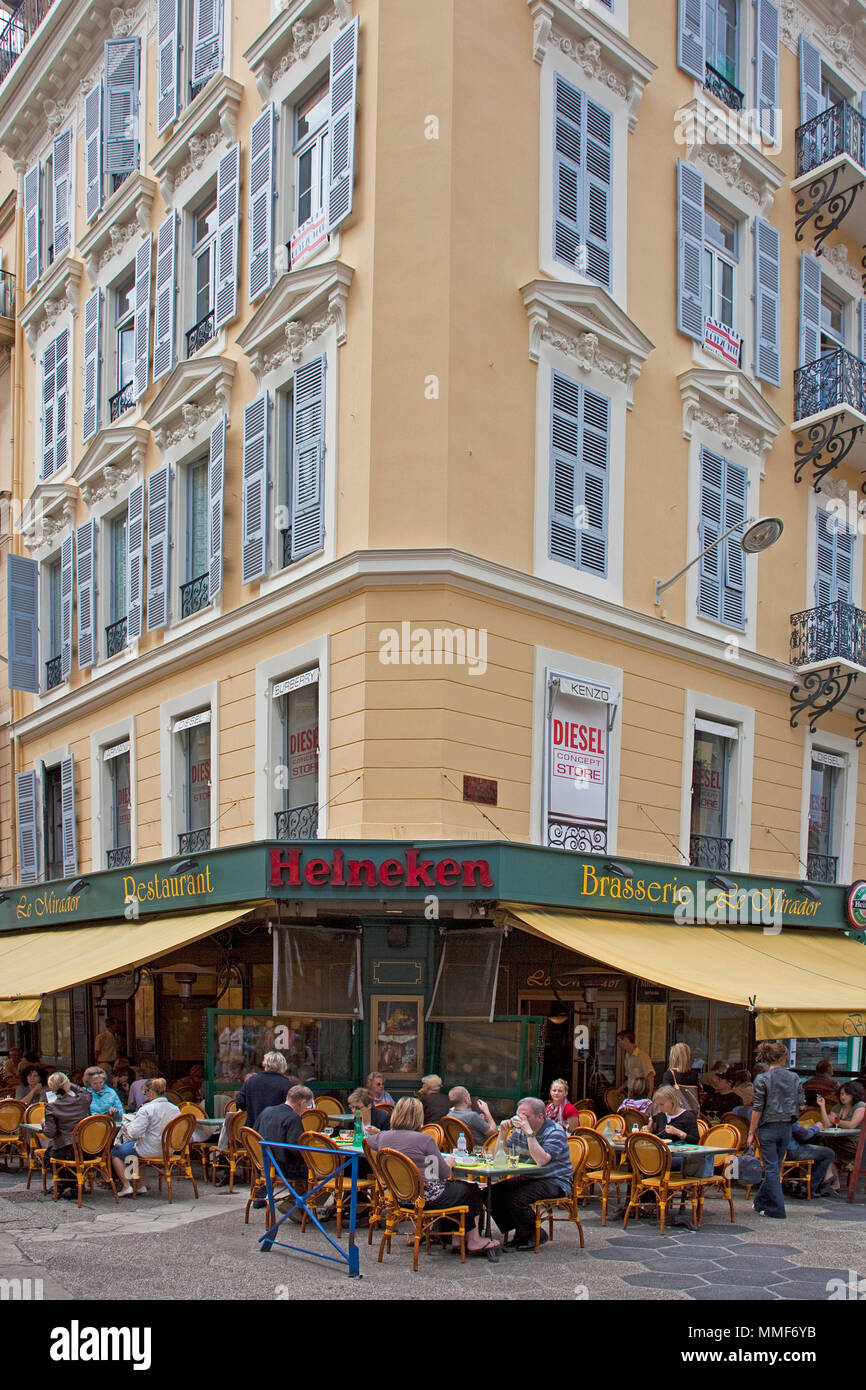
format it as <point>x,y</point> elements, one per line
<point>806,1053</point>
<point>313,1047</point>
<point>55,1031</point>
<point>714,1031</point>
<point>499,1061</point>
<point>145,1015</point>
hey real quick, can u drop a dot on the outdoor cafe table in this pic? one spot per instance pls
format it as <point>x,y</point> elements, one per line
<point>500,1168</point>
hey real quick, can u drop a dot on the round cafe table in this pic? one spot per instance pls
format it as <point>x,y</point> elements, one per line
<point>497,1171</point>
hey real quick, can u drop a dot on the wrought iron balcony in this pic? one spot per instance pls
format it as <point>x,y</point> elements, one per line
<point>120,402</point>
<point>115,638</point>
<point>194,841</point>
<point>196,87</point>
<point>119,858</point>
<point>7,295</point>
<point>720,87</point>
<point>840,130</point>
<point>831,632</point>
<point>117,180</point>
<point>53,672</point>
<point>19,30</point>
<point>710,852</point>
<point>194,596</point>
<point>837,378</point>
<point>301,823</point>
<point>286,546</point>
<point>200,333</point>
<point>821,868</point>
<point>578,838</point>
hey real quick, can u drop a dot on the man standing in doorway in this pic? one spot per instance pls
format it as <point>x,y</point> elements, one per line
<point>637,1063</point>
<point>107,1045</point>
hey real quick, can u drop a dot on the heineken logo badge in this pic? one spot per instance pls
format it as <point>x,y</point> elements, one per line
<point>856,904</point>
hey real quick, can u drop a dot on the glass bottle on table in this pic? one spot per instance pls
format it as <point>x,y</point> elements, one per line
<point>358,1130</point>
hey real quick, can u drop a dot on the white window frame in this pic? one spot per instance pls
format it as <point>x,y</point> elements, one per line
<point>731,259</point>
<point>740,773</point>
<point>45,762</point>
<point>295,149</point>
<point>703,438</point>
<point>173,769</point>
<point>102,512</point>
<point>123,731</point>
<point>846,748</point>
<point>816,501</point>
<point>179,457</point>
<point>111,357</point>
<point>268,731</point>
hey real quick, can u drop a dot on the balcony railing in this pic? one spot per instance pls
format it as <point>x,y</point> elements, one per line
<point>120,402</point>
<point>200,333</point>
<point>115,638</point>
<point>117,180</point>
<point>7,295</point>
<point>194,841</point>
<point>576,837</point>
<point>194,596</point>
<point>720,87</point>
<point>53,672</point>
<point>821,868</point>
<point>19,30</point>
<point>830,632</point>
<point>837,378</point>
<point>286,547</point>
<point>119,858</point>
<point>840,130</point>
<point>301,823</point>
<point>710,852</point>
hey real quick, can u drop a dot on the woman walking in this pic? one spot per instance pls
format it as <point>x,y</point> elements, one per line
<point>775,1109</point>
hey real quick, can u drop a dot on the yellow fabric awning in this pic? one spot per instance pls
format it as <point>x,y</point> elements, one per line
<point>37,963</point>
<point>811,1023</point>
<point>819,973</point>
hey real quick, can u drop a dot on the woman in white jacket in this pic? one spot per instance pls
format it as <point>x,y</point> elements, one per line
<point>145,1131</point>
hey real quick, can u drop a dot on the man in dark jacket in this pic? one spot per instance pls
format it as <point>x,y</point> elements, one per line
<point>281,1124</point>
<point>61,1117</point>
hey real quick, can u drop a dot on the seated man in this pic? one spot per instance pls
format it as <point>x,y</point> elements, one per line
<point>547,1144</point>
<point>821,1084</point>
<point>801,1148</point>
<point>480,1121</point>
<point>281,1124</point>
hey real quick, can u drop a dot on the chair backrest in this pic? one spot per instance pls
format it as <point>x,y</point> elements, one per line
<point>437,1132</point>
<point>400,1177</point>
<point>612,1097</point>
<point>174,1097</point>
<point>738,1122</point>
<point>231,1108</point>
<point>632,1118</point>
<point>11,1115</point>
<point>598,1150</point>
<point>189,1107</point>
<point>330,1105</point>
<point>234,1124</point>
<point>314,1121</point>
<point>491,1141</point>
<point>35,1113</point>
<point>613,1122</point>
<point>384,1104</point>
<point>321,1155</point>
<point>723,1136</point>
<point>578,1150</point>
<point>586,1118</point>
<point>91,1136</point>
<point>177,1134</point>
<point>454,1128</point>
<point>703,1126</point>
<point>252,1142</point>
<point>648,1157</point>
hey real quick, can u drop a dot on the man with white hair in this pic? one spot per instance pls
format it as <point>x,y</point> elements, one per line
<point>480,1122</point>
<point>265,1088</point>
<point>511,1202</point>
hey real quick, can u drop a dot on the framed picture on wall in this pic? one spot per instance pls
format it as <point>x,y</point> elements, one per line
<point>397,1036</point>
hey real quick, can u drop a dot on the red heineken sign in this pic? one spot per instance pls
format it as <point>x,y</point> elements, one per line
<point>295,868</point>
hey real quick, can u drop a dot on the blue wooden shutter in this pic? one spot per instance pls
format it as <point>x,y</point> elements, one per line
<point>67,807</point>
<point>308,458</point>
<point>568,167</point>
<point>207,39</point>
<point>844,562</point>
<point>810,309</point>
<point>27,803</point>
<point>158,540</point>
<point>55,393</point>
<point>811,96</point>
<point>690,248</point>
<point>67,580</point>
<point>166,63</point>
<point>122,62</point>
<point>216,476</point>
<point>598,185</point>
<point>134,560</point>
<point>833,559</point>
<point>261,203</point>
<point>163,327</point>
<point>92,347</point>
<point>565,421</point>
<point>592,533</point>
<point>344,67</point>
<point>85,545</point>
<point>22,622</point>
<point>49,383</point>
<point>32,254</point>
<point>734,594</point>
<point>61,167</point>
<point>228,196</point>
<point>255,490</point>
<point>93,150</point>
<point>710,528</point>
<point>691,41</point>
<point>768,351</point>
<point>767,68</point>
<point>141,319</point>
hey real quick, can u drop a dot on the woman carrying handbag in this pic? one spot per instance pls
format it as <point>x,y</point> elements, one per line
<point>778,1100</point>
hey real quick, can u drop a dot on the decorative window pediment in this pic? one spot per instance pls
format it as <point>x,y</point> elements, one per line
<point>601,51</point>
<point>114,457</point>
<point>301,306</point>
<point>289,38</point>
<point>193,392</point>
<point>125,217</point>
<point>712,135</point>
<point>57,294</point>
<point>207,123</point>
<point>725,402</point>
<point>584,322</point>
<point>838,27</point>
<point>48,511</point>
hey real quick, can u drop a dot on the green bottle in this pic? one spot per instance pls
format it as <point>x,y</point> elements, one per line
<point>358,1131</point>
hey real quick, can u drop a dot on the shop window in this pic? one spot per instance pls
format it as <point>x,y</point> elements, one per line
<point>710,838</point>
<point>145,1015</point>
<point>714,1031</point>
<point>55,1030</point>
<point>320,1047</point>
<point>297,705</point>
<point>825,816</point>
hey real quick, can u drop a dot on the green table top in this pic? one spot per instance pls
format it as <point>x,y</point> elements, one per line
<point>836,1133</point>
<point>497,1169</point>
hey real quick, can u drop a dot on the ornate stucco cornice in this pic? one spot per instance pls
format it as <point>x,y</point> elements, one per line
<point>208,123</point>
<point>48,512</point>
<point>193,392</point>
<point>838,27</point>
<point>56,294</point>
<point>713,137</point>
<point>584,322</point>
<point>110,460</point>
<point>289,38</point>
<point>297,310</point>
<point>124,219</point>
<point>595,45</point>
<point>728,404</point>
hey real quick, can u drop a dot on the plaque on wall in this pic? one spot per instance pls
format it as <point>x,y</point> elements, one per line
<point>397,972</point>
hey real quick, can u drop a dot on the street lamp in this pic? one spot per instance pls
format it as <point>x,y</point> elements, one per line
<point>759,535</point>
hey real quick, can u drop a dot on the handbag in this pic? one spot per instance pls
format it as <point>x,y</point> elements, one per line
<point>688,1093</point>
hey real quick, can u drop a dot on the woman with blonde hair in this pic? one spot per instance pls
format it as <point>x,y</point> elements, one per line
<point>682,1076</point>
<point>71,1103</point>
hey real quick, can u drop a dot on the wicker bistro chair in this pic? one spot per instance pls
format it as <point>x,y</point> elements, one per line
<point>614,1096</point>
<point>723,1171</point>
<point>586,1118</point>
<point>376,1212</point>
<point>314,1121</point>
<point>810,1115</point>
<point>11,1141</point>
<point>175,1153</point>
<point>578,1148</point>
<point>632,1118</point>
<point>91,1155</point>
<point>650,1163</point>
<point>38,1148</point>
<point>723,1135</point>
<point>202,1148</point>
<point>330,1105</point>
<point>235,1156</point>
<point>324,1159</point>
<point>738,1123</point>
<point>703,1126</point>
<point>252,1142</point>
<point>453,1129</point>
<point>438,1133</point>
<point>602,1167</point>
<point>614,1122</point>
<point>404,1201</point>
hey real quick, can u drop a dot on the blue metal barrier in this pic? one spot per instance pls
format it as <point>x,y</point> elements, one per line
<point>268,1240</point>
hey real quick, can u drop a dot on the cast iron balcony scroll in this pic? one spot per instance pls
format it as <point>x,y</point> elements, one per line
<point>580,839</point>
<point>19,30</point>
<point>200,333</point>
<point>830,633</point>
<point>194,596</point>
<point>821,868</point>
<point>829,136</point>
<point>115,638</point>
<point>720,87</point>
<point>119,858</point>
<point>300,823</point>
<point>194,841</point>
<point>710,852</point>
<point>819,693</point>
<point>835,381</point>
<point>53,672</point>
<point>120,402</point>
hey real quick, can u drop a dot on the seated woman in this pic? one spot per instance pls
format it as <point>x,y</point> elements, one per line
<point>674,1120</point>
<point>104,1100</point>
<point>560,1107</point>
<point>848,1114</point>
<point>638,1097</point>
<point>32,1087</point>
<point>376,1087</point>
<point>372,1117</point>
<point>742,1084</point>
<point>145,1131</point>
<point>121,1080</point>
<point>405,1136</point>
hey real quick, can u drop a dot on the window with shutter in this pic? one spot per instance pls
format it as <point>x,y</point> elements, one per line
<point>308,459</point>
<point>61,165</point>
<point>810,309</point>
<point>344,66</point>
<point>141,320</point>
<point>767,68</point>
<point>690,251</point>
<point>168,20</point>
<point>206,43</point>
<point>722,578</point>
<point>85,545</point>
<point>255,490</point>
<point>228,196</point>
<point>134,561</point>
<point>834,559</point>
<point>55,391</point>
<point>32,248</point>
<point>811,99</point>
<point>158,508</point>
<point>92,352</point>
<point>261,203</point>
<point>768,355</point>
<point>216,491</point>
<point>579,467</point>
<point>163,328</point>
<point>66,587</point>
<point>93,150</point>
<point>122,61</point>
<point>67,801</point>
<point>690,38</point>
<point>582,183</point>
<point>22,619</point>
<point>28,826</point>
